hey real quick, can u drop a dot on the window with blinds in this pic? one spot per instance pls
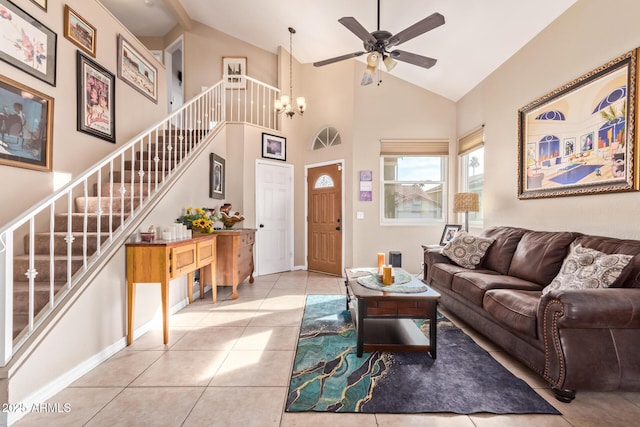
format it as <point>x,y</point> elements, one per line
<point>413,181</point>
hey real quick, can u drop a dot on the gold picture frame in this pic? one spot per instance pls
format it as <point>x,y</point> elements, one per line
<point>581,138</point>
<point>79,32</point>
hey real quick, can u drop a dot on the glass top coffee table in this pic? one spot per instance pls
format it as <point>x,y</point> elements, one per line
<point>383,319</point>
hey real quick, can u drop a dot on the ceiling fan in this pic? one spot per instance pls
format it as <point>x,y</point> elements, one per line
<point>378,43</point>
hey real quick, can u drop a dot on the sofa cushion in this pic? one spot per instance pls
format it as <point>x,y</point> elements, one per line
<point>501,251</point>
<point>586,268</point>
<point>472,285</point>
<point>514,309</point>
<point>442,273</point>
<point>467,250</point>
<point>610,245</point>
<point>539,255</point>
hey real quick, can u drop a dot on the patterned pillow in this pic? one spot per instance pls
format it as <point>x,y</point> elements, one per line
<point>587,268</point>
<point>466,250</point>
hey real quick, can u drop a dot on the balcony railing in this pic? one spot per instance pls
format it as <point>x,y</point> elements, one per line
<point>73,255</point>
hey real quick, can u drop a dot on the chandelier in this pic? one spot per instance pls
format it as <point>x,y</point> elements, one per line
<point>283,105</point>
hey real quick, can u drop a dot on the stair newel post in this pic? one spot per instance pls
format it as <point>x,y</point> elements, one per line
<point>6,296</point>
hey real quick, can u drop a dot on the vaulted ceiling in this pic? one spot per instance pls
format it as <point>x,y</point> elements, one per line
<point>478,36</point>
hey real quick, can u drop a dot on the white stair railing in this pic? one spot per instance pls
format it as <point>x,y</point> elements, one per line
<point>119,202</point>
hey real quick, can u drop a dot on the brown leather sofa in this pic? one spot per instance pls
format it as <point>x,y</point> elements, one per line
<point>587,339</point>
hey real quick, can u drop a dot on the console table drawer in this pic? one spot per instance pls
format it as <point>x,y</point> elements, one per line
<point>183,259</point>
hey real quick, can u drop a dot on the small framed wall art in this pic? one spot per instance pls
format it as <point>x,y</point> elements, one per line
<point>136,71</point>
<point>216,176</point>
<point>274,147</point>
<point>234,69</point>
<point>79,32</point>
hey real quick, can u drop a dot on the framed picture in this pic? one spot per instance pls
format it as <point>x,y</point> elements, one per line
<point>233,70</point>
<point>27,44</point>
<point>96,99</point>
<point>26,122</point>
<point>580,138</point>
<point>41,3</point>
<point>448,233</point>
<point>79,31</point>
<point>216,177</point>
<point>136,71</point>
<point>274,147</point>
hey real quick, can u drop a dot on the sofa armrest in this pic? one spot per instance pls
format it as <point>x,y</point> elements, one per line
<point>589,338</point>
<point>595,308</point>
<point>433,257</point>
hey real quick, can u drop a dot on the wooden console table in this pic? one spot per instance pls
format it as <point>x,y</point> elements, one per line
<point>235,257</point>
<point>162,261</point>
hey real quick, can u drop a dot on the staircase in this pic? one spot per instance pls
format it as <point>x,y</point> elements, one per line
<point>113,194</point>
<point>56,248</point>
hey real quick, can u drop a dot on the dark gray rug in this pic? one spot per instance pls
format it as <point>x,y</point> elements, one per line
<point>328,376</point>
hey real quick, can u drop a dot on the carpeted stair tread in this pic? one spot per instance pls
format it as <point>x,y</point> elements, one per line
<point>77,222</point>
<point>105,202</point>
<point>41,265</point>
<point>42,241</point>
<point>117,177</point>
<point>106,189</point>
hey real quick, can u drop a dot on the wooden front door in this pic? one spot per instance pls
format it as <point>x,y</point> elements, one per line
<point>324,187</point>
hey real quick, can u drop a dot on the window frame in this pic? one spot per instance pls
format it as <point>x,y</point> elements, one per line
<point>475,218</point>
<point>444,164</point>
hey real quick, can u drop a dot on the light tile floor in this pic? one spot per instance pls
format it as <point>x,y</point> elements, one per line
<point>228,364</point>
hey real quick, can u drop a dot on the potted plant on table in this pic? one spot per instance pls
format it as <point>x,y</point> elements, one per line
<point>200,220</point>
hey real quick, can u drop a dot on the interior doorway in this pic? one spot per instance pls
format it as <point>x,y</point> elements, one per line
<point>174,62</point>
<point>274,217</point>
<point>324,218</point>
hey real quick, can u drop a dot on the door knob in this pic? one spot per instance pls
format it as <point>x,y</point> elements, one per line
<point>261,225</point>
<point>338,228</point>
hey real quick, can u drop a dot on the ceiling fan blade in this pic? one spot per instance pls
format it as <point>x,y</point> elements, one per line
<point>338,58</point>
<point>421,27</point>
<point>356,28</point>
<point>413,58</point>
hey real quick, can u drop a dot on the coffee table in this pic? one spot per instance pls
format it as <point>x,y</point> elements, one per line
<point>383,319</point>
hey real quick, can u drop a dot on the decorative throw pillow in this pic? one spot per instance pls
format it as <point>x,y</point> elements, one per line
<point>467,250</point>
<point>586,268</point>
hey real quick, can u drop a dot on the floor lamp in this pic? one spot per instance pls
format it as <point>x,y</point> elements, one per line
<point>466,202</point>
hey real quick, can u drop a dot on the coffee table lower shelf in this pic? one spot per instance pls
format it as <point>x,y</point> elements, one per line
<point>392,335</point>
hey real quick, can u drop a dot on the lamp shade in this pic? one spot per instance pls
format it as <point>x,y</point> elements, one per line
<point>466,202</point>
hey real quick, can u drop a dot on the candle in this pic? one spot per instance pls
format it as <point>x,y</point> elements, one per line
<point>166,235</point>
<point>380,263</point>
<point>386,275</point>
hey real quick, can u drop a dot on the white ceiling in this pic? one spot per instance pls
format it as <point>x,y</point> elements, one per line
<point>478,36</point>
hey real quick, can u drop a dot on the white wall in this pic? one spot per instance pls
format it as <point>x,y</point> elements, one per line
<point>584,38</point>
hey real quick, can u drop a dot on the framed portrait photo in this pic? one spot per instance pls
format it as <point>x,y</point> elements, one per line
<point>96,99</point>
<point>27,44</point>
<point>136,71</point>
<point>448,233</point>
<point>79,32</point>
<point>274,147</point>
<point>233,71</point>
<point>26,122</point>
<point>216,177</point>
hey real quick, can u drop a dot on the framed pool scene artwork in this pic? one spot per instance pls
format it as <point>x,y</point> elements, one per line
<point>580,138</point>
<point>136,71</point>
<point>26,121</point>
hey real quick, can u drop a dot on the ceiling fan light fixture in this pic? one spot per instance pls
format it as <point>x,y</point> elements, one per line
<point>389,62</point>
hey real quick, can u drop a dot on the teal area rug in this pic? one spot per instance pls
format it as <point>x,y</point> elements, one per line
<point>328,376</point>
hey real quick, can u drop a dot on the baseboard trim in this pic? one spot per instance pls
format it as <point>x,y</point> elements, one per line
<point>63,381</point>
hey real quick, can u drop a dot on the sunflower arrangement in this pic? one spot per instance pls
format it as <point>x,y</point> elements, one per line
<point>200,219</point>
